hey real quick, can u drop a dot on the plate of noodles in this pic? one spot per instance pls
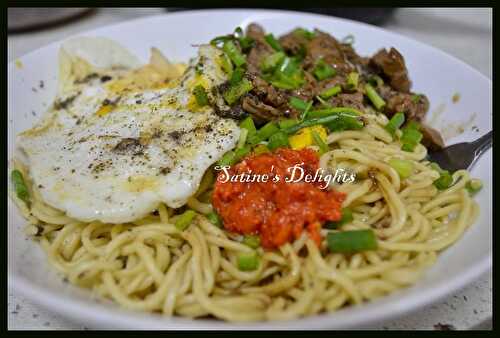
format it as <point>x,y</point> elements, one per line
<point>243,169</point>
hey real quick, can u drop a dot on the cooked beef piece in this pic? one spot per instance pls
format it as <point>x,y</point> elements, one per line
<point>308,89</point>
<point>326,47</point>
<point>259,109</point>
<point>413,109</point>
<point>266,92</point>
<point>354,100</point>
<point>293,42</point>
<point>431,138</point>
<point>255,31</point>
<point>392,65</point>
<point>259,51</point>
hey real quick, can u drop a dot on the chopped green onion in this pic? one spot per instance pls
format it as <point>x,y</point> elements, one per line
<point>287,123</point>
<point>280,139</point>
<point>246,42</point>
<point>20,186</point>
<point>201,95</point>
<point>264,133</point>
<point>234,54</point>
<point>351,241</point>
<point>240,153</point>
<point>286,82</point>
<point>221,39</point>
<point>248,261</point>
<point>410,138</point>
<point>323,70</point>
<point>376,81</point>
<point>185,219</point>
<point>260,149</point>
<point>242,139</point>
<point>377,101</point>
<point>334,122</point>
<point>395,122</point>
<point>227,159</point>
<point>290,66</point>
<point>238,32</point>
<point>233,156</point>
<point>324,103</point>
<point>226,64</point>
<point>288,74</point>
<point>348,40</point>
<point>236,76</point>
<point>323,147</point>
<point>445,179</point>
<point>236,91</point>
<point>304,114</point>
<point>333,110</point>
<point>415,98</point>
<point>271,40</point>
<point>403,167</point>
<point>352,81</point>
<point>267,130</point>
<point>297,103</point>
<point>270,62</point>
<point>474,185</point>
<point>346,218</point>
<point>215,219</point>
<point>252,241</point>
<point>332,91</point>
<point>304,33</point>
<point>249,125</point>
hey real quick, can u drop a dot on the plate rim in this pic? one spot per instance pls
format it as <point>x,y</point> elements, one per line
<point>103,315</point>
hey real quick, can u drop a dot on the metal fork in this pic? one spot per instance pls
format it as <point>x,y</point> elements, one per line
<point>461,155</point>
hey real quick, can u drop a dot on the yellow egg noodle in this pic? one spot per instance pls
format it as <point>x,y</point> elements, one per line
<point>150,265</point>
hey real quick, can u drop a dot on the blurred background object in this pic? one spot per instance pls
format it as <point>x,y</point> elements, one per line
<point>25,19</point>
<point>365,14</point>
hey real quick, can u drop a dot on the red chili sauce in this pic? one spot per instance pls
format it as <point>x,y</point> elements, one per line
<point>277,211</point>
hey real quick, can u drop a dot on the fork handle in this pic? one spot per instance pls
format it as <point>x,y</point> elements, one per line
<point>483,143</point>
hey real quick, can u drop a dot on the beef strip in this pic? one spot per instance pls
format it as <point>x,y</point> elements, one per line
<point>392,65</point>
<point>326,47</point>
<point>354,100</point>
<point>260,110</point>
<point>255,31</point>
<point>431,138</point>
<point>293,43</point>
<point>401,102</point>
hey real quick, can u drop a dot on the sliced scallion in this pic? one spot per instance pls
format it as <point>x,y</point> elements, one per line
<point>372,94</point>
<point>351,241</point>
<point>20,185</point>
<point>329,92</point>
<point>271,40</point>
<point>236,91</point>
<point>200,95</point>
<point>233,53</point>
<point>403,167</point>
<point>248,261</point>
<point>346,218</point>
<point>185,219</point>
<point>323,71</point>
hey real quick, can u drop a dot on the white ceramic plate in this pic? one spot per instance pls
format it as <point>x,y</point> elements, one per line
<point>433,72</point>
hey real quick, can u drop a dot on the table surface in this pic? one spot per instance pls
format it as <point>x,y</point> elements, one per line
<point>463,33</point>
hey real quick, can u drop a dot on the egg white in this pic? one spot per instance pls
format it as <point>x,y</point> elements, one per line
<point>102,154</point>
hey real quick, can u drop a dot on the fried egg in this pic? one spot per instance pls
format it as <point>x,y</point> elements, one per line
<point>119,139</point>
